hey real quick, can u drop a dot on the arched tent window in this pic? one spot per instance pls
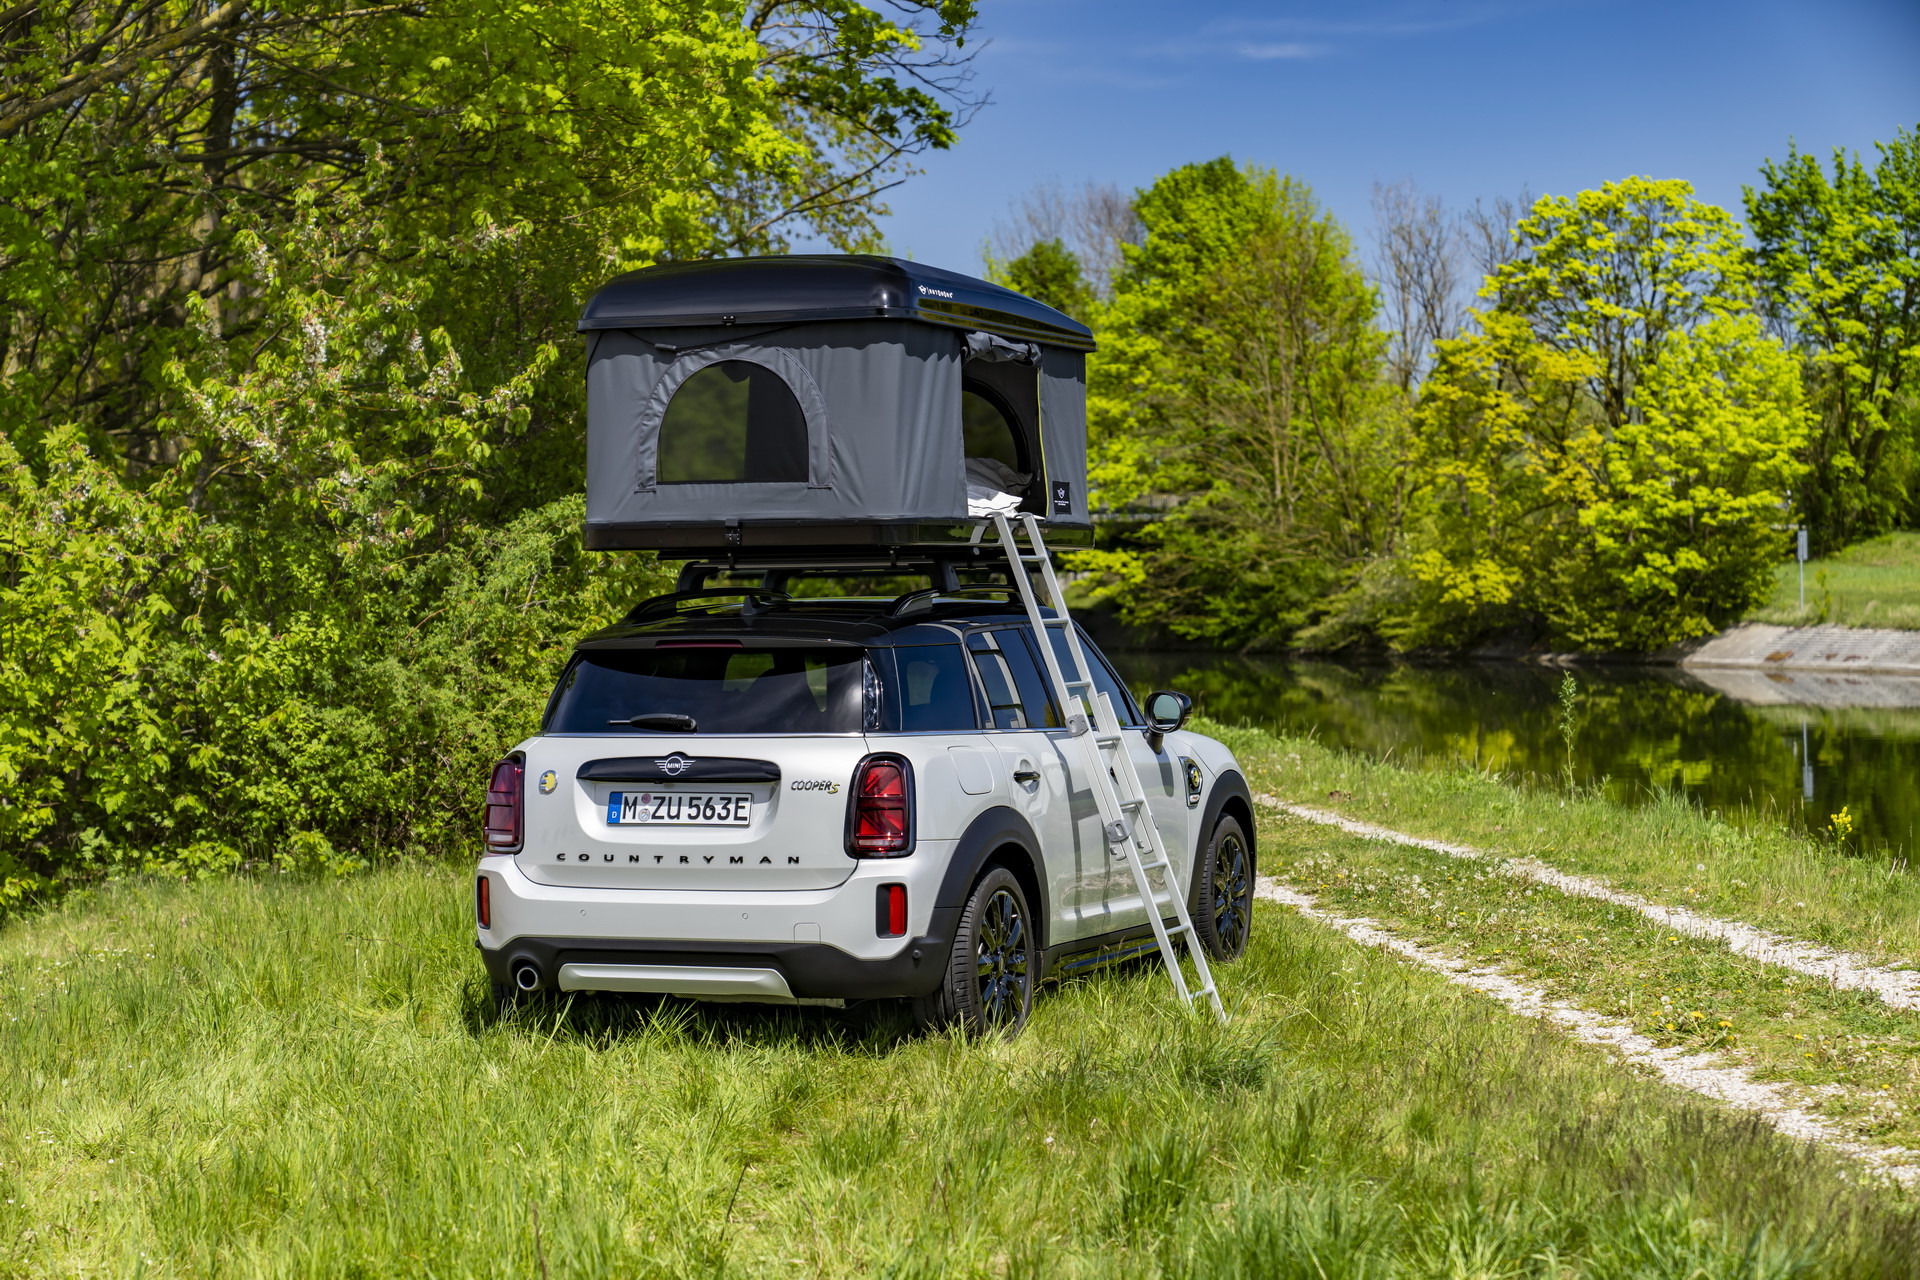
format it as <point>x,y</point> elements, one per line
<point>733,422</point>
<point>988,427</point>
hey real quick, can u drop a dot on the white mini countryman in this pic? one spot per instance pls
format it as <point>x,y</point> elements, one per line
<point>738,795</point>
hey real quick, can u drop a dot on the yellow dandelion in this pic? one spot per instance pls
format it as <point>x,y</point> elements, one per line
<point>1725,1023</point>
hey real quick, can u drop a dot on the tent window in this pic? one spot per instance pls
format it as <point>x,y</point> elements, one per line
<point>989,429</point>
<point>733,422</point>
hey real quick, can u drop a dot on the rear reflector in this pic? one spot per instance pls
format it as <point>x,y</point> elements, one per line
<point>880,819</point>
<point>890,914</point>
<point>502,823</point>
<point>482,902</point>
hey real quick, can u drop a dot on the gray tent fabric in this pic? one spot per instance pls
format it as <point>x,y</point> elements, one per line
<point>1063,435</point>
<point>882,404</point>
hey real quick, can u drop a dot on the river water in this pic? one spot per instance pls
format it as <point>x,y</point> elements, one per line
<point>1780,746</point>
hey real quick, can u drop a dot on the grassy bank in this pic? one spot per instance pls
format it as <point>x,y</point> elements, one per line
<point>296,1078</point>
<point>1870,584</point>
<point>1667,849</point>
<point>1855,1060</point>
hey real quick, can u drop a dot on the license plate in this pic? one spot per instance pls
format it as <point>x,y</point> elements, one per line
<point>679,808</point>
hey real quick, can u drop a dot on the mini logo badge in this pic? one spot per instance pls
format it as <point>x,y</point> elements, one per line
<point>548,781</point>
<point>1062,498</point>
<point>674,765</point>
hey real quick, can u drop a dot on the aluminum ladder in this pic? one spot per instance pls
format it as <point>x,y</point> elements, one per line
<point>1125,816</point>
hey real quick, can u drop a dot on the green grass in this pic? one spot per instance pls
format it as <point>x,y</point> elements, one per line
<point>1668,849</point>
<point>1870,584</point>
<point>271,1077</point>
<point>1858,1059</point>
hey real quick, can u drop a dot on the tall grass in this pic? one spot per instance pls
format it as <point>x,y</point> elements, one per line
<point>279,1078</point>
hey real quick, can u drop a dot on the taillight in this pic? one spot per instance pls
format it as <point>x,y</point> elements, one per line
<point>482,902</point>
<point>503,805</point>
<point>890,911</point>
<point>881,820</point>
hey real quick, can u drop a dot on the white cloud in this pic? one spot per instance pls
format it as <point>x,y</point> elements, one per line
<point>1269,51</point>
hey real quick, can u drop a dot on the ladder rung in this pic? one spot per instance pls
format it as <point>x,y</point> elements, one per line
<point>1152,866</point>
<point>1133,804</point>
<point>1109,739</point>
<point>1179,929</point>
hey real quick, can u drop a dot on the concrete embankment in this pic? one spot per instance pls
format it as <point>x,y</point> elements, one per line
<point>1836,651</point>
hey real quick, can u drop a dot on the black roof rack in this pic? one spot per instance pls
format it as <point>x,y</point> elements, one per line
<point>823,286</point>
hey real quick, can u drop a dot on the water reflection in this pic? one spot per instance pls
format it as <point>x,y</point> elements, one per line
<point>1791,747</point>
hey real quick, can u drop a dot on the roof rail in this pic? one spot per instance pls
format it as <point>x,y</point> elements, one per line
<point>928,597</point>
<point>758,600</point>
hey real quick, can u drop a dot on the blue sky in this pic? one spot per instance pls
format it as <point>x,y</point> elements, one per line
<point>1462,97</point>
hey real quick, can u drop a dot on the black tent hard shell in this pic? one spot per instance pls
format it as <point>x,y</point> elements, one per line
<point>826,401</point>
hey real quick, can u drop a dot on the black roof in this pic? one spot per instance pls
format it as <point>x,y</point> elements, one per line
<point>823,286</point>
<point>859,620</point>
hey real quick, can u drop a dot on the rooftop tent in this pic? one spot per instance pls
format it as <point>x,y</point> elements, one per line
<point>825,401</point>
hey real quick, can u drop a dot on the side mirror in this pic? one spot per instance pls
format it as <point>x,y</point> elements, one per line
<point>1167,713</point>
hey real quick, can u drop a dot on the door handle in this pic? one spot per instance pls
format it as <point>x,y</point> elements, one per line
<point>1026,775</point>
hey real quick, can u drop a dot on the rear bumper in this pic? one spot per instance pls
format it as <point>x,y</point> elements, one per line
<point>821,943</point>
<point>809,970</point>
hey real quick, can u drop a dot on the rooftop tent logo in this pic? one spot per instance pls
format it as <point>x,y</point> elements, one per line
<point>1062,498</point>
<point>674,765</point>
<point>927,292</point>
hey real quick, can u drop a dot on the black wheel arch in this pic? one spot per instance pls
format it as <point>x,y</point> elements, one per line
<point>1229,796</point>
<point>1000,835</point>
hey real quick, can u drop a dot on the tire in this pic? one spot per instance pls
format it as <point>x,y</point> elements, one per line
<point>1223,891</point>
<point>993,966</point>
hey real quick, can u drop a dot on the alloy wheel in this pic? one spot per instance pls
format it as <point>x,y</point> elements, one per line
<point>1003,960</point>
<point>1232,892</point>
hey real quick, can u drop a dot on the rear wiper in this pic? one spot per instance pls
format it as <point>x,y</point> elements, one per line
<point>661,721</point>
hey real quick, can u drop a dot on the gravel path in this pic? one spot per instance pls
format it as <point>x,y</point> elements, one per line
<point>1899,988</point>
<point>1700,1073</point>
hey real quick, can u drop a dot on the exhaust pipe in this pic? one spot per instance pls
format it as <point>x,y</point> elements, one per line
<point>526,976</point>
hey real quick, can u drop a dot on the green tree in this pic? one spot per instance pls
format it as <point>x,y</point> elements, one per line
<point>1839,265</point>
<point>289,428</point>
<point>1050,272</point>
<point>1238,397</point>
<point>140,136</point>
<point>1604,460</point>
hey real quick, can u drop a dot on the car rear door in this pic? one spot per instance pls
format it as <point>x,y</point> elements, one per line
<point>1023,726</point>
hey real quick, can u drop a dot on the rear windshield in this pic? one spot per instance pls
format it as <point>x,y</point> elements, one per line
<point>712,690</point>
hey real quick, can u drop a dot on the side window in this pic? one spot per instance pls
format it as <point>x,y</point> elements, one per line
<point>1023,690</point>
<point>1104,679</point>
<point>730,423</point>
<point>936,694</point>
<point>1004,708</point>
